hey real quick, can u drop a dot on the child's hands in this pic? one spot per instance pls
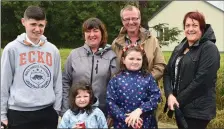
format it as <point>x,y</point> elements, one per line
<point>133,117</point>
<point>4,124</point>
<point>138,124</point>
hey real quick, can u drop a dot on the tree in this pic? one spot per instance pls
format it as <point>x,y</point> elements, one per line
<point>148,8</point>
<point>65,18</point>
<point>12,12</point>
<point>166,35</point>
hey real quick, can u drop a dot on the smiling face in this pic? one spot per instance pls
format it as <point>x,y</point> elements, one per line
<point>93,37</point>
<point>131,20</point>
<point>34,28</point>
<point>192,30</point>
<point>133,60</point>
<point>82,99</point>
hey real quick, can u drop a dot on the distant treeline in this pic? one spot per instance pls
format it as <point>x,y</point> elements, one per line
<point>65,18</point>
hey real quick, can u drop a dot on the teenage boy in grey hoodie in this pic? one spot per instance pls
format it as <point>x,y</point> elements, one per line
<point>31,82</point>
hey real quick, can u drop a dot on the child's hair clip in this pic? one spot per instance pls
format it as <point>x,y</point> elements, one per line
<point>125,48</point>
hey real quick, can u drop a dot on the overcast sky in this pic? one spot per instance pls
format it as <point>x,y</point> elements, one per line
<point>219,4</point>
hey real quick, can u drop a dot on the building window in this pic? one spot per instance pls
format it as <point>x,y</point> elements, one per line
<point>163,34</point>
<point>166,34</point>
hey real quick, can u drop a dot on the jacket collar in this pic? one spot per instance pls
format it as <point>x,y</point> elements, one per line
<point>100,51</point>
<point>184,43</point>
<point>143,35</point>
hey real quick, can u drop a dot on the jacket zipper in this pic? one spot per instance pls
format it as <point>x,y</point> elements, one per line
<point>91,79</point>
<point>97,66</point>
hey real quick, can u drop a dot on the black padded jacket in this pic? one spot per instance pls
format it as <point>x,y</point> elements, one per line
<point>198,74</point>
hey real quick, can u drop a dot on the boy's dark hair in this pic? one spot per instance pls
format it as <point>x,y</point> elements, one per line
<point>74,92</point>
<point>138,48</point>
<point>34,12</point>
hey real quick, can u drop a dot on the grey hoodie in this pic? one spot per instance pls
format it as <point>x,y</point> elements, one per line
<point>30,76</point>
<point>94,68</point>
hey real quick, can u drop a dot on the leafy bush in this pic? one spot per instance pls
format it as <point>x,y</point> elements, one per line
<point>218,122</point>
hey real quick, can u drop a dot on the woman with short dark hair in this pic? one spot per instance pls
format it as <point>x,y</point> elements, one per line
<point>190,76</point>
<point>94,63</point>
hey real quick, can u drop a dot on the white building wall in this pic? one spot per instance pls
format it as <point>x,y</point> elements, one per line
<point>173,14</point>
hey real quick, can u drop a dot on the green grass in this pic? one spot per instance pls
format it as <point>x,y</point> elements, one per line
<point>64,54</point>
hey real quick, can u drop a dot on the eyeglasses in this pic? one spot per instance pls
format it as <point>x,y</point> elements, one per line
<point>134,19</point>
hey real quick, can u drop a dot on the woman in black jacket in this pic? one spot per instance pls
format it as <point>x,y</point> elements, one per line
<point>190,75</point>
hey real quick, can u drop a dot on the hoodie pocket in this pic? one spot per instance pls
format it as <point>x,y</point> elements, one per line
<point>33,97</point>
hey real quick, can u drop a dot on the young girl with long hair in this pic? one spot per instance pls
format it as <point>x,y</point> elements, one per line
<point>133,94</point>
<point>83,112</point>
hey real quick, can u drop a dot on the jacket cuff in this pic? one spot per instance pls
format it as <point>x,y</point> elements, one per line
<point>143,109</point>
<point>167,94</point>
<point>3,117</point>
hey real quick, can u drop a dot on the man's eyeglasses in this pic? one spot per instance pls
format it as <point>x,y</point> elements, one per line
<point>134,19</point>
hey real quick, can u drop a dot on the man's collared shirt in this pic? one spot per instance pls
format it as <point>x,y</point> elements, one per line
<point>128,40</point>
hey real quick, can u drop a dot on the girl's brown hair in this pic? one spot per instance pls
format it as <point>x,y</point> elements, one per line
<point>74,92</point>
<point>137,48</point>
